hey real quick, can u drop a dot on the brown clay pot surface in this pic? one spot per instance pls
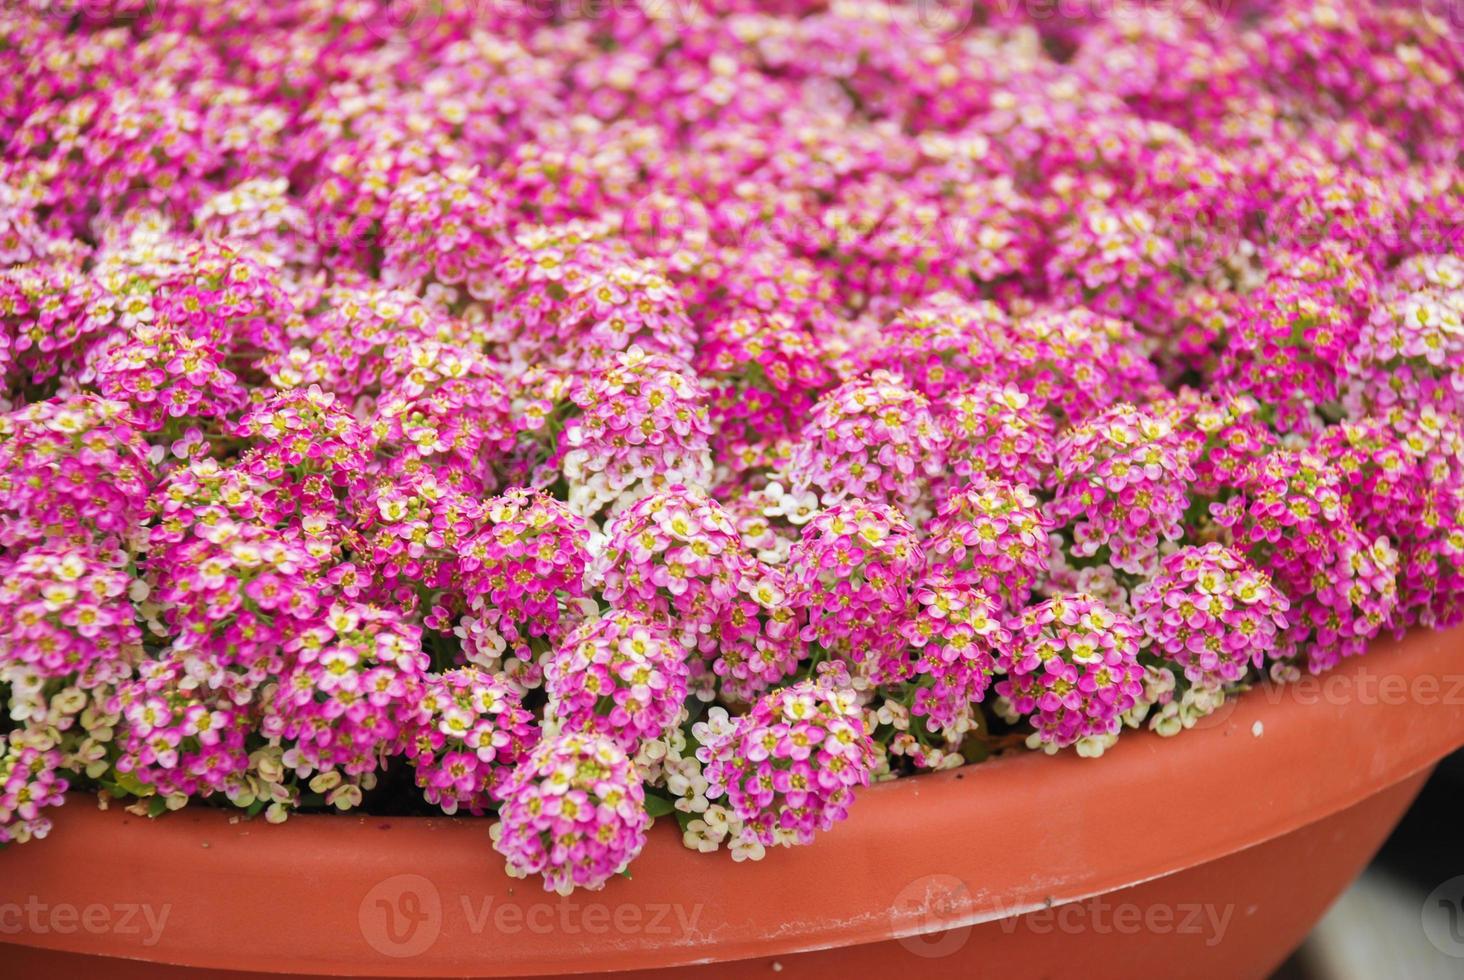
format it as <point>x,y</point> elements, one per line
<point>1210,854</point>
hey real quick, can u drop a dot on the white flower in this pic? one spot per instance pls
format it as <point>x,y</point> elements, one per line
<point>747,850</point>
<point>1093,746</point>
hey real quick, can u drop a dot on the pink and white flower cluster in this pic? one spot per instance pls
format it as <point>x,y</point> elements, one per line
<point>788,766</point>
<point>598,415</point>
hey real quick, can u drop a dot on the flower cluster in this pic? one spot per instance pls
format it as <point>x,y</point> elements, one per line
<point>74,468</point>
<point>1115,262</point>
<point>1411,498</point>
<point>622,677</point>
<point>473,730</point>
<point>874,439</point>
<point>308,447</point>
<point>64,613</point>
<point>1211,613</point>
<point>766,373</point>
<point>233,594</point>
<point>578,419</point>
<point>573,811</point>
<point>29,780</point>
<point>958,639</point>
<point>576,305</point>
<point>852,576</point>
<point>443,232</point>
<point>447,404</point>
<point>346,700</point>
<point>413,533</point>
<point>788,767</point>
<point>1289,348</point>
<point>1411,348</point>
<point>46,325</point>
<point>640,426</point>
<point>997,433</point>
<point>524,567</point>
<point>178,740</point>
<point>675,556</point>
<point>1074,668</point>
<point>1290,518</point>
<point>991,536</point>
<point>1122,481</point>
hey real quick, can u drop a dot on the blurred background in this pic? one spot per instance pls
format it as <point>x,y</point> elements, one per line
<point>1404,918</point>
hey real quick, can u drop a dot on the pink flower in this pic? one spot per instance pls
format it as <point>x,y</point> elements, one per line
<point>472,730</point>
<point>1212,613</point>
<point>622,677</point>
<point>1073,669</point>
<point>788,767</point>
<point>573,811</point>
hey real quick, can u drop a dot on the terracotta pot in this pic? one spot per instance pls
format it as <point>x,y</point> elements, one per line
<point>1210,855</point>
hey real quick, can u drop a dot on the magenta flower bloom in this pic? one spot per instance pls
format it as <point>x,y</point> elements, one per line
<point>870,439</point>
<point>622,677</point>
<point>234,594</point>
<point>1074,670</point>
<point>1397,490</point>
<point>1291,518</point>
<point>676,556</point>
<point>46,324</point>
<point>567,303</point>
<point>941,345</point>
<point>852,578</point>
<point>178,739</point>
<point>997,433</point>
<point>641,425</point>
<point>75,468</point>
<point>1212,613</point>
<point>30,780</point>
<point>351,693</point>
<point>958,640</point>
<point>573,812</point>
<point>443,233</point>
<point>65,613</point>
<point>991,537</point>
<point>525,568</point>
<point>788,767</point>
<point>766,371</point>
<point>1123,483</point>
<point>473,729</point>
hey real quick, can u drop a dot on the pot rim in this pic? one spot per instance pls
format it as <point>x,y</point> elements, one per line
<point>337,893</point>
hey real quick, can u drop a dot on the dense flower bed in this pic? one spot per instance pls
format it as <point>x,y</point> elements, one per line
<point>590,414</point>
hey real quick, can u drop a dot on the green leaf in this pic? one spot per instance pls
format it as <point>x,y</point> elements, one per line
<point>157,806</point>
<point>132,786</point>
<point>659,806</point>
